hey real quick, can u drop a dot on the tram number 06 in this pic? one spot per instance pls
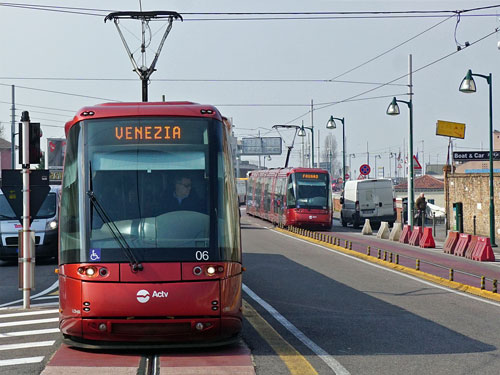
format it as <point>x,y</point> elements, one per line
<point>201,255</point>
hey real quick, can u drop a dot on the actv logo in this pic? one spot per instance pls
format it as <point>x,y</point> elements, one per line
<point>143,295</point>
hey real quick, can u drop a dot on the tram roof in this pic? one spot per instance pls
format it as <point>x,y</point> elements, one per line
<point>179,109</point>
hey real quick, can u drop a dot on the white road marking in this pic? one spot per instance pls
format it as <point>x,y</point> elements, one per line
<point>20,361</point>
<point>42,293</point>
<point>396,272</point>
<point>46,297</point>
<point>320,352</point>
<point>27,345</point>
<point>14,315</point>
<point>33,305</point>
<point>29,333</point>
<point>26,322</point>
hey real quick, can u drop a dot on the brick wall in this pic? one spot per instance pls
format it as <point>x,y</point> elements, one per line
<point>473,190</point>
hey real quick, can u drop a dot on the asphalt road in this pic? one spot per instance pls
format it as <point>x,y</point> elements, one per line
<point>44,278</point>
<point>366,318</point>
<point>336,314</point>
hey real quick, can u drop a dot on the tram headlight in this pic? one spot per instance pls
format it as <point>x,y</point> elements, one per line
<point>210,270</point>
<point>90,271</point>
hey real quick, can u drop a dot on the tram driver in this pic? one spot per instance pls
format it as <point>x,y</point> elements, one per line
<point>183,198</point>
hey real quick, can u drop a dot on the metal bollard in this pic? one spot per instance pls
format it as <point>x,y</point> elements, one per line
<point>397,259</point>
<point>417,265</point>
<point>390,257</point>
<point>346,244</point>
<point>368,250</point>
<point>385,256</point>
<point>474,223</point>
<point>434,223</point>
<point>378,254</point>
<point>483,282</point>
<point>451,275</point>
<point>350,245</point>
<point>494,289</point>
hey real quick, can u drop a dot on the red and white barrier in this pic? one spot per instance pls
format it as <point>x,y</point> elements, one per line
<point>427,239</point>
<point>451,242</point>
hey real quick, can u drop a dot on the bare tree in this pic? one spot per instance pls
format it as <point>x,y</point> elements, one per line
<point>329,154</point>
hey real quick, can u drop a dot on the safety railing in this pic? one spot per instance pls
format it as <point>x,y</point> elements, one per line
<point>393,257</point>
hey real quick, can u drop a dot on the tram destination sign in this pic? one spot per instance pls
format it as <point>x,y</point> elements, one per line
<point>475,155</point>
<point>261,146</point>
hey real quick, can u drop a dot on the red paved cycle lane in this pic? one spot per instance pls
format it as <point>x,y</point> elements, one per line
<point>432,261</point>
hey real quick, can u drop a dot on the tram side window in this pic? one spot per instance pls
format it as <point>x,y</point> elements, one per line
<point>228,212</point>
<point>257,196</point>
<point>70,226</point>
<point>290,193</point>
<point>278,195</point>
<point>267,194</point>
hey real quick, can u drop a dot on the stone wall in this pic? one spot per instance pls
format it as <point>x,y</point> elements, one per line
<point>473,190</point>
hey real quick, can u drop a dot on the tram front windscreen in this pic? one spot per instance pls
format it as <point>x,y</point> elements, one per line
<point>148,183</point>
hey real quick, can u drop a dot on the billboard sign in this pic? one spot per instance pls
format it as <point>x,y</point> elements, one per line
<point>261,146</point>
<point>56,147</point>
<point>475,155</point>
<point>450,129</point>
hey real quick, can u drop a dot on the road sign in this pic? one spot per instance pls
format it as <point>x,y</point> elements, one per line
<point>416,165</point>
<point>347,176</point>
<point>364,169</point>
<point>12,186</point>
<point>361,177</point>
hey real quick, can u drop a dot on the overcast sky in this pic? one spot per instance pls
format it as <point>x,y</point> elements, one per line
<point>41,44</point>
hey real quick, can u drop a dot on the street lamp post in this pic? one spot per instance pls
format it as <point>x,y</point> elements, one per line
<point>393,110</point>
<point>332,125</point>
<point>469,86</point>
<point>302,133</point>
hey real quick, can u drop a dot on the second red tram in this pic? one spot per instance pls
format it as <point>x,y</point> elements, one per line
<point>291,196</point>
<point>149,247</point>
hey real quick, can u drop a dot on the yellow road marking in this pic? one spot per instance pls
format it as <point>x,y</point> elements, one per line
<point>295,361</point>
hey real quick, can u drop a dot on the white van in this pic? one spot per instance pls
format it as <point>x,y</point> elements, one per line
<point>368,199</point>
<point>45,224</point>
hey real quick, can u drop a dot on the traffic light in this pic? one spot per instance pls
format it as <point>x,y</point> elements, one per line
<point>35,133</point>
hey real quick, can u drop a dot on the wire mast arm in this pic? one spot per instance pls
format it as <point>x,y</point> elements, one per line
<point>143,71</point>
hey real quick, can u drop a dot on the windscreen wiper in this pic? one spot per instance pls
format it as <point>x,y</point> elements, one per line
<point>135,265</point>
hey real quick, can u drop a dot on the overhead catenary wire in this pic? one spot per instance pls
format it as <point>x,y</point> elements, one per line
<point>400,77</point>
<point>270,15</point>
<point>60,92</point>
<point>37,106</point>
<point>197,80</point>
<point>391,49</point>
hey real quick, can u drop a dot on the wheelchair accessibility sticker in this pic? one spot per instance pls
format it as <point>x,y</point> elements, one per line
<point>95,255</point>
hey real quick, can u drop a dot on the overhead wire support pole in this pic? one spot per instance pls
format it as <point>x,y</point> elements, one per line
<point>143,71</point>
<point>13,130</point>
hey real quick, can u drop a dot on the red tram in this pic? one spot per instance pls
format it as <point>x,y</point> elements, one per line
<point>291,196</point>
<point>133,269</point>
